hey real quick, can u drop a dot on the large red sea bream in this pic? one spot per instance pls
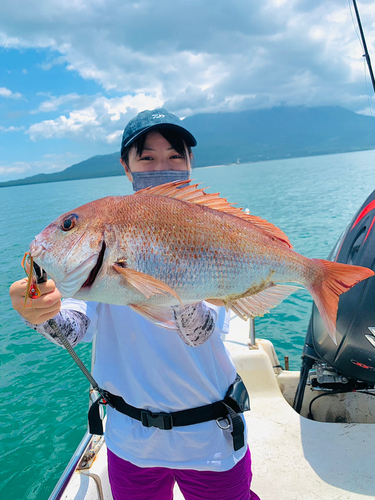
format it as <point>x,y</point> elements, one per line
<point>175,244</point>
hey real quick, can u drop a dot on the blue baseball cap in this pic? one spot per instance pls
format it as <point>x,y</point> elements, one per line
<point>148,120</point>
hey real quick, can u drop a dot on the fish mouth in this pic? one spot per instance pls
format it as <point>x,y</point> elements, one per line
<point>95,270</point>
<point>36,249</point>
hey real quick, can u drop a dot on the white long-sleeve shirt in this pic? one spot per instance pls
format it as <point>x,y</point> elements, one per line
<point>153,368</point>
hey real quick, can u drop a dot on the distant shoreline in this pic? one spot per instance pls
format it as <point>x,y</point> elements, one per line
<point>26,182</point>
<point>250,136</point>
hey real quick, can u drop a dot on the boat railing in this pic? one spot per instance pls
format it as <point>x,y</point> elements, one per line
<point>252,342</point>
<point>71,467</point>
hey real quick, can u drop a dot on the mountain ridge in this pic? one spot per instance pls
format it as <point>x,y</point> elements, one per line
<point>247,136</point>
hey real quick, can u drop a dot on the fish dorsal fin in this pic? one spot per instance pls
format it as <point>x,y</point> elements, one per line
<point>181,190</point>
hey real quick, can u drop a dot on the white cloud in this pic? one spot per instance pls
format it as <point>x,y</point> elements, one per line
<point>63,126</point>
<point>47,163</point>
<point>103,120</point>
<point>53,103</point>
<point>15,168</point>
<point>144,47</point>
<point>54,168</point>
<point>11,129</point>
<point>191,56</point>
<point>59,156</point>
<point>22,42</point>
<point>4,92</point>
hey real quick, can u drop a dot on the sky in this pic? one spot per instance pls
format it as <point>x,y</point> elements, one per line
<point>74,72</point>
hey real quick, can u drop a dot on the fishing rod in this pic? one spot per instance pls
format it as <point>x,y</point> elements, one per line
<point>41,277</point>
<point>366,54</point>
<point>95,419</point>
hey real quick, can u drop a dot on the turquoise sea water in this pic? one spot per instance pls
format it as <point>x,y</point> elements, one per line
<point>44,395</point>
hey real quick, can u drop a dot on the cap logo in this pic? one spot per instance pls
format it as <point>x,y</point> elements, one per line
<point>147,120</point>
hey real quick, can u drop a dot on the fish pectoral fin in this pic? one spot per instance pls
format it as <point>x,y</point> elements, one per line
<point>162,316</point>
<point>144,283</point>
<point>260,303</point>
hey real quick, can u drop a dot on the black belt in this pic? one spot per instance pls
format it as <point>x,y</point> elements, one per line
<point>235,401</point>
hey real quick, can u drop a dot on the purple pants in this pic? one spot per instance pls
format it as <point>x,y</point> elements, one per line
<point>129,482</point>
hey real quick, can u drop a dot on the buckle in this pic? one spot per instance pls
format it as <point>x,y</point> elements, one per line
<point>220,423</point>
<point>105,398</point>
<point>160,420</point>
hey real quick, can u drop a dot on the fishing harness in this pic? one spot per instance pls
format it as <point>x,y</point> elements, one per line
<point>226,412</point>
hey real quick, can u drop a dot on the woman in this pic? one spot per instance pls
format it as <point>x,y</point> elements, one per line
<point>151,368</point>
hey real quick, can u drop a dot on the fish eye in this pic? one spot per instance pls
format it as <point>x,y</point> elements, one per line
<point>69,223</point>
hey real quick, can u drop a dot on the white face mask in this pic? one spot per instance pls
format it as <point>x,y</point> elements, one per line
<point>154,178</point>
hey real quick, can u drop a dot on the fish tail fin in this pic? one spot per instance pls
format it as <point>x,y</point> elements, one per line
<point>332,282</point>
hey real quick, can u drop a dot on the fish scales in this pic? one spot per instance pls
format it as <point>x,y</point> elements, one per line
<point>176,244</point>
<point>182,246</point>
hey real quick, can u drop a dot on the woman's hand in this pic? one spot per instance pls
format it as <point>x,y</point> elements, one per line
<point>38,310</point>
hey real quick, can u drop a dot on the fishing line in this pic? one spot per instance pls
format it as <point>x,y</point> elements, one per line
<point>355,25</point>
<point>364,56</point>
<point>367,91</point>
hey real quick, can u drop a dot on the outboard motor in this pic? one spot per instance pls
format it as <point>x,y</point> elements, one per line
<point>350,364</point>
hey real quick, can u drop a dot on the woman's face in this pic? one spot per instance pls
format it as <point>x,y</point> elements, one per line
<point>157,154</point>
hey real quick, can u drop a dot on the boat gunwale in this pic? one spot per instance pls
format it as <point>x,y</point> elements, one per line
<point>62,483</point>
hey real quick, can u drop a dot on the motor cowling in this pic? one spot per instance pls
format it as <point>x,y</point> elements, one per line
<point>354,354</point>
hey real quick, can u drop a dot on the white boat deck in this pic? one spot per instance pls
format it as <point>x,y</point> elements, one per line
<point>293,458</point>
<point>297,458</point>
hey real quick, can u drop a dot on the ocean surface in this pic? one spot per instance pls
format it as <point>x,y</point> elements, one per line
<point>44,396</point>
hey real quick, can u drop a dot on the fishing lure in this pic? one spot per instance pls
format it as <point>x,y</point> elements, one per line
<point>32,289</point>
